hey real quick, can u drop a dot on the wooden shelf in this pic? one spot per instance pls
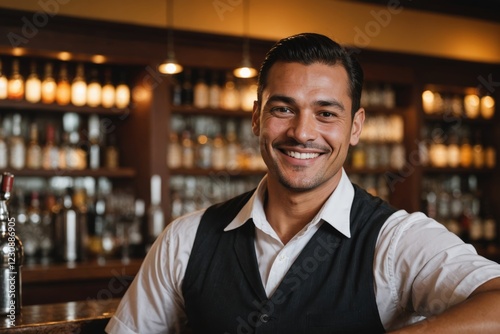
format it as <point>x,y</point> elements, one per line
<point>104,172</point>
<point>192,111</point>
<point>211,171</point>
<point>458,170</point>
<point>25,106</point>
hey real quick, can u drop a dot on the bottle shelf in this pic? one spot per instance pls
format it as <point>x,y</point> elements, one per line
<point>101,172</point>
<point>25,106</point>
<point>376,171</point>
<point>384,110</point>
<point>193,111</point>
<point>456,119</point>
<point>212,171</point>
<point>457,170</point>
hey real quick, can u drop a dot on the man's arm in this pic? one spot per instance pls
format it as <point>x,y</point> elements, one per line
<point>480,313</point>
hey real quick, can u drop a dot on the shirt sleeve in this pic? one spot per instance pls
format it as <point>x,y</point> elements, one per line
<point>153,303</point>
<point>422,269</point>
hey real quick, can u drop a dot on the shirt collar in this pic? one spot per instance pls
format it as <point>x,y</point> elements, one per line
<point>336,210</point>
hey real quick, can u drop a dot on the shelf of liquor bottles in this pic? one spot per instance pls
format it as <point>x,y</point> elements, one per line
<point>458,155</point>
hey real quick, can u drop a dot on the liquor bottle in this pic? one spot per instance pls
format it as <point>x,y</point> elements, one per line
<point>188,150</point>
<point>49,86</point>
<point>176,91</point>
<point>201,91</point>
<point>108,93</point>
<point>453,150</point>
<point>15,88</point>
<point>94,141</point>
<point>48,214</point>
<point>79,87</point>
<point>112,155</point>
<point>32,231</point>
<point>76,157</point>
<point>156,220</point>
<point>187,89</point>
<point>232,147</point>
<point>68,230</point>
<point>50,152</point>
<point>34,151</point>
<point>214,91</point>
<point>12,253</point>
<point>122,93</point>
<point>230,97</point>
<point>174,151</point>
<point>33,89</point>
<point>219,152</point>
<point>478,152</point>
<point>471,106</point>
<point>3,83</point>
<point>135,230</point>
<point>487,107</point>
<point>465,150</point>
<point>4,157</point>
<point>248,95</point>
<point>63,90</point>
<point>17,146</point>
<point>94,89</point>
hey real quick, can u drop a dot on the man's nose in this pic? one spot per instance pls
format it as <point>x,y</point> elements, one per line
<point>303,128</point>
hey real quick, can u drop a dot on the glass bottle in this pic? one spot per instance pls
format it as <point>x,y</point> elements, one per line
<point>490,156</point>
<point>176,92</point>
<point>478,152</point>
<point>79,87</point>
<point>108,92</point>
<point>49,86</point>
<point>17,145</point>
<point>156,221</point>
<point>174,153</point>
<point>465,150</point>
<point>4,157</point>
<point>94,142</point>
<point>122,93</point>
<point>112,155</point>
<point>471,106</point>
<point>187,89</point>
<point>67,230</point>
<point>33,89</point>
<point>201,91</point>
<point>76,157</point>
<point>94,89</point>
<point>248,95</point>
<point>15,88</point>
<point>358,159</point>
<point>34,151</point>
<point>453,151</point>
<point>31,240</point>
<point>12,253</point>
<point>214,91</point>
<point>232,147</point>
<point>3,83</point>
<point>487,107</point>
<point>63,90</point>
<point>389,96</point>
<point>188,149</point>
<point>50,152</point>
<point>219,152</point>
<point>230,97</point>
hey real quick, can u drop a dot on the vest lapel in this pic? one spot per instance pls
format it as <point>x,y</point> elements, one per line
<point>244,246</point>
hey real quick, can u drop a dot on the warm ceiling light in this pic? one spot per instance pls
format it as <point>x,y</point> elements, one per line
<point>64,56</point>
<point>98,59</point>
<point>170,65</point>
<point>245,70</point>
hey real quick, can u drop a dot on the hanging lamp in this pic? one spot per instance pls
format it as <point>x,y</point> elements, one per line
<point>246,70</point>
<point>170,65</point>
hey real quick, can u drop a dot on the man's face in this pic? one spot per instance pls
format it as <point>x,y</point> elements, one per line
<point>304,124</point>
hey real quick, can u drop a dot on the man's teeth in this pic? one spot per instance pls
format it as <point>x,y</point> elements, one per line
<point>303,156</point>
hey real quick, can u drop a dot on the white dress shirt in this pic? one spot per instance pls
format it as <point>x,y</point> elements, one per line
<point>419,268</point>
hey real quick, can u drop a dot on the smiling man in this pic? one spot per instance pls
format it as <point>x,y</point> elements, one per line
<point>308,251</point>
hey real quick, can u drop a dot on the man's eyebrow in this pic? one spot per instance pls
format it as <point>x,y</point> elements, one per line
<point>330,103</point>
<point>281,98</point>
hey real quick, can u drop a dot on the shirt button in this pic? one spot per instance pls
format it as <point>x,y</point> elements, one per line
<point>264,318</point>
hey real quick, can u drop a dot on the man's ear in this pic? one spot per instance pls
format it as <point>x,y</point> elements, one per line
<point>357,126</point>
<point>256,118</point>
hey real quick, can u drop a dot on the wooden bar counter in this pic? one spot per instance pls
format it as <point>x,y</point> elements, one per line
<point>80,317</point>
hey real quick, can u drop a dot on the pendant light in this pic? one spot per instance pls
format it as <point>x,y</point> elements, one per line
<point>245,70</point>
<point>170,65</point>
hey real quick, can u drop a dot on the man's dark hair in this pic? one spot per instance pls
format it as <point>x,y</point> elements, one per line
<point>309,48</point>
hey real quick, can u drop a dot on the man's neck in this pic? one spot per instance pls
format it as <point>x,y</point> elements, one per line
<point>288,211</point>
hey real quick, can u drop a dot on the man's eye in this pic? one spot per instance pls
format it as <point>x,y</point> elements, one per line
<point>281,110</point>
<point>327,114</point>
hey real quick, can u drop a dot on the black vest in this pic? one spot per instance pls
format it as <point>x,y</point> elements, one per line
<point>328,289</point>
